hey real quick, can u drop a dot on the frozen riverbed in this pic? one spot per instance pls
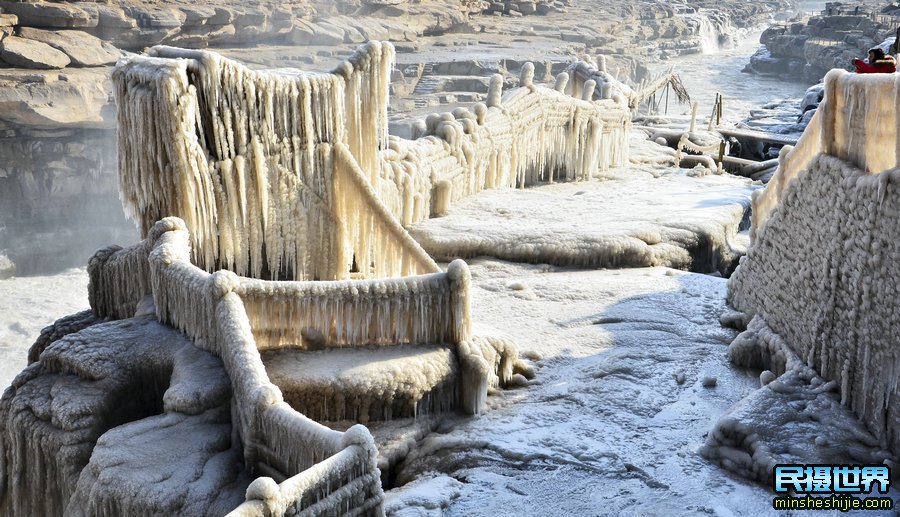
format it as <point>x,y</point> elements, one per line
<point>620,406</point>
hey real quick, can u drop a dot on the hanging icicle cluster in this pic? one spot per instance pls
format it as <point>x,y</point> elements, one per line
<point>246,158</point>
<point>265,167</point>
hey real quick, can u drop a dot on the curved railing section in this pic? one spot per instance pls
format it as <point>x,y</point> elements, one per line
<point>235,317</point>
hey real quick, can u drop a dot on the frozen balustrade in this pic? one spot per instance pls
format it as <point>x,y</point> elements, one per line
<point>236,317</point>
<point>856,121</point>
<point>289,174</point>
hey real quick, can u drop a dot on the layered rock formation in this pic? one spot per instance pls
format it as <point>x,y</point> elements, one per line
<point>829,40</point>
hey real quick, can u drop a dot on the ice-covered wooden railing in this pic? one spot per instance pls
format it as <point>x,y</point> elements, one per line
<point>247,159</point>
<point>236,317</point>
<point>518,138</point>
<point>252,160</point>
<point>278,442</point>
<point>822,271</point>
<point>422,309</point>
<point>857,121</point>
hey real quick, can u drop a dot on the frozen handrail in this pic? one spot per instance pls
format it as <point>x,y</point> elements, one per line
<point>357,313</point>
<point>249,158</point>
<point>277,440</point>
<point>521,137</point>
<point>246,158</point>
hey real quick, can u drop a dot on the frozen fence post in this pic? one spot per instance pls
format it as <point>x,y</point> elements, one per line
<point>694,109</point>
<point>526,77</point>
<point>588,91</point>
<point>562,79</point>
<point>459,276</point>
<point>495,91</point>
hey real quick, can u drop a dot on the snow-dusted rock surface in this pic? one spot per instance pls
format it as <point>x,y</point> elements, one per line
<point>83,393</point>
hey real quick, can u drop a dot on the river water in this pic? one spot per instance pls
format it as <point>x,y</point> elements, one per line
<point>720,72</point>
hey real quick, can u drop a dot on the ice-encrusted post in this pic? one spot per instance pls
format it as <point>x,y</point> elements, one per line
<point>526,77</point>
<point>443,190</point>
<point>460,279</point>
<point>495,91</point>
<point>562,79</point>
<point>601,63</point>
<point>694,109</point>
<point>587,93</point>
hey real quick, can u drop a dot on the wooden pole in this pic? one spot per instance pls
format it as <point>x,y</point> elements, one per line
<point>667,98</point>
<point>694,117</point>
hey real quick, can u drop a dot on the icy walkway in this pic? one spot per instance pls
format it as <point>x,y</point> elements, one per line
<point>635,218</point>
<point>619,410</point>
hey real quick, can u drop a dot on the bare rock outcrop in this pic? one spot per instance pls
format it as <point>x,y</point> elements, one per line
<point>82,48</point>
<point>27,53</point>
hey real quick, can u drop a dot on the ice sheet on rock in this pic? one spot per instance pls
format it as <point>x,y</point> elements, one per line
<point>426,497</point>
<point>796,418</point>
<point>630,220</point>
<point>88,382</point>
<point>172,464</point>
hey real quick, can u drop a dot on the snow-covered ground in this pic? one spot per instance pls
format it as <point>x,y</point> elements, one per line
<point>28,304</point>
<point>619,408</point>
<point>641,216</point>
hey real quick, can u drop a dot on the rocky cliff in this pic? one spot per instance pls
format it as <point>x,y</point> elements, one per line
<point>828,40</point>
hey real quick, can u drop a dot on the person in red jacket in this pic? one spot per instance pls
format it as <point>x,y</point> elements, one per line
<point>877,63</point>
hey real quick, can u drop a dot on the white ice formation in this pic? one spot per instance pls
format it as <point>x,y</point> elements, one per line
<point>276,175</point>
<point>294,176</point>
<point>821,278</point>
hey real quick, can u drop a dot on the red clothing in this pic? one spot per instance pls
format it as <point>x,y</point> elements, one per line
<point>883,66</point>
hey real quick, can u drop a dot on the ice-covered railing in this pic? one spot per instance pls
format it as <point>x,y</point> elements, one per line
<point>119,278</point>
<point>856,121</point>
<point>246,158</point>
<point>278,442</point>
<point>423,309</point>
<point>517,138</point>
<point>251,160</point>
